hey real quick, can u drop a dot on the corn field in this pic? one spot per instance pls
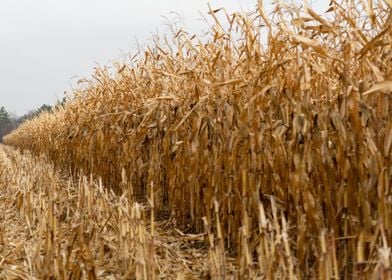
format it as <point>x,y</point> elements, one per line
<point>269,140</point>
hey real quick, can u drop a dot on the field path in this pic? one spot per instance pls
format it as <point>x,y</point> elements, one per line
<point>52,225</point>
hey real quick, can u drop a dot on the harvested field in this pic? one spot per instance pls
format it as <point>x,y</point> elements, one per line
<point>57,228</point>
<point>278,156</point>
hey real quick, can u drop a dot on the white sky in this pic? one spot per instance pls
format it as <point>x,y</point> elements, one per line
<point>47,45</point>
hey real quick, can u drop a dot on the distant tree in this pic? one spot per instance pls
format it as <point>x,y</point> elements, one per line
<point>43,108</point>
<point>5,122</point>
<point>10,122</point>
<point>34,113</point>
<point>4,115</point>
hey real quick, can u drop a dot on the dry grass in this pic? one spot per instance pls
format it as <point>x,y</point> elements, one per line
<point>57,228</point>
<point>281,154</point>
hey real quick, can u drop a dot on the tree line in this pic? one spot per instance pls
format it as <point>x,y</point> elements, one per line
<point>9,121</point>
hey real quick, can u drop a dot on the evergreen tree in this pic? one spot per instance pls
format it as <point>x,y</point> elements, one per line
<point>4,116</point>
<point>4,122</point>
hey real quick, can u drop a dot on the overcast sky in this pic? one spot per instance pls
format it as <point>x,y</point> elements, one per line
<point>47,45</point>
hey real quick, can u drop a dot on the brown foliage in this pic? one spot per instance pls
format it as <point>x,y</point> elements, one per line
<point>284,149</point>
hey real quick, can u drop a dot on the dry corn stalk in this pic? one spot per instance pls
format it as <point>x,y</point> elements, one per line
<point>304,121</point>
